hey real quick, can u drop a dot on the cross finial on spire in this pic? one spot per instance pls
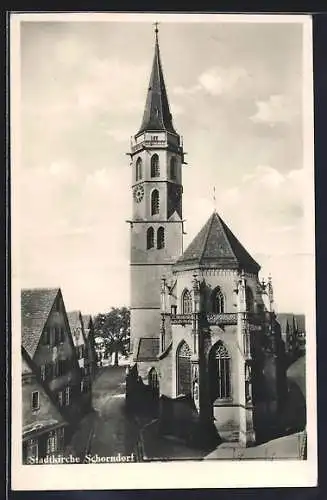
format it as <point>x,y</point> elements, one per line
<point>156,30</point>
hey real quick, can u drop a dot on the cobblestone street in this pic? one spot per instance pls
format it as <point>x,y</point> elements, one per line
<point>108,430</point>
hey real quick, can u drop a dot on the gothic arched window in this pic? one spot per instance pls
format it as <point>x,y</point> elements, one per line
<point>155,202</point>
<point>249,299</point>
<point>155,170</point>
<point>186,302</point>
<point>150,238</point>
<point>218,302</point>
<point>160,238</point>
<point>219,372</point>
<point>153,381</point>
<point>184,377</point>
<point>173,168</point>
<point>138,169</point>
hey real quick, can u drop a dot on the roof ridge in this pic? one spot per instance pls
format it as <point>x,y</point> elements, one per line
<point>206,237</point>
<point>222,224</point>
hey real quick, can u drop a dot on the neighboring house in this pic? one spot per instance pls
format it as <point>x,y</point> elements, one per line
<point>90,345</point>
<point>48,344</point>
<point>43,424</point>
<point>81,351</point>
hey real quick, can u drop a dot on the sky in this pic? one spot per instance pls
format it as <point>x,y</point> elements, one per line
<point>235,92</point>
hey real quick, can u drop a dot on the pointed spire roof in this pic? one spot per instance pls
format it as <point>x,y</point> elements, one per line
<point>157,114</point>
<point>215,246</point>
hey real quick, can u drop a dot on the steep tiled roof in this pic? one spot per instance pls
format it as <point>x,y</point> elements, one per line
<point>74,319</point>
<point>36,305</point>
<point>215,246</point>
<point>148,349</point>
<point>157,114</point>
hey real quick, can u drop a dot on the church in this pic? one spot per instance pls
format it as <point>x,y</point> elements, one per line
<point>202,323</point>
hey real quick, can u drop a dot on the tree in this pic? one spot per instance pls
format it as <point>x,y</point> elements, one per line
<point>115,327</point>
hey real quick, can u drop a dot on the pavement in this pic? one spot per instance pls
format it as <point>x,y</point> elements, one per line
<point>108,430</point>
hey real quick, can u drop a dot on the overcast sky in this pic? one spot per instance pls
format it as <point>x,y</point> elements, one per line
<point>235,93</point>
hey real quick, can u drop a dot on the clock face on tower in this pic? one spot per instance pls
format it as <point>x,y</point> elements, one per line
<point>138,193</point>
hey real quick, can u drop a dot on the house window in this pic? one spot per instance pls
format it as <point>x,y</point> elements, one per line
<point>219,372</point>
<point>218,303</point>
<point>160,238</point>
<point>60,398</point>
<point>60,438</point>
<point>186,302</point>
<point>155,169</point>
<point>32,449</point>
<point>150,238</point>
<point>67,396</point>
<point>155,202</point>
<point>138,169</point>
<point>42,372</point>
<point>35,400</point>
<point>173,164</point>
<point>52,442</point>
<point>184,384</point>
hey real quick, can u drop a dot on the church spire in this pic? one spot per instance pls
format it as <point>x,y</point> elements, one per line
<point>157,114</point>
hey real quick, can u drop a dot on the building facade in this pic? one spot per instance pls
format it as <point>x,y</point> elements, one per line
<point>48,345</point>
<point>200,322</point>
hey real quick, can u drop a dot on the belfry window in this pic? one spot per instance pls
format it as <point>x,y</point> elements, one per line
<point>220,373</point>
<point>155,169</point>
<point>155,202</point>
<point>186,302</point>
<point>150,238</point>
<point>218,303</point>
<point>160,238</point>
<point>173,168</point>
<point>138,169</point>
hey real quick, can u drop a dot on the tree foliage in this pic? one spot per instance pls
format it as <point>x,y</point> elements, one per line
<point>114,328</point>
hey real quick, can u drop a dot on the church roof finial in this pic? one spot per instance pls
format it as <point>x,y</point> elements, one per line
<point>156,31</point>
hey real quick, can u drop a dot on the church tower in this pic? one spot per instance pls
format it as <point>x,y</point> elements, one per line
<point>156,227</point>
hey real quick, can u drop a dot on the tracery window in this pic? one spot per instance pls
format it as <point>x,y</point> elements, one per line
<point>249,299</point>
<point>155,168</point>
<point>155,204</point>
<point>138,169</point>
<point>150,238</point>
<point>160,238</point>
<point>219,370</point>
<point>184,378</point>
<point>186,302</point>
<point>218,302</point>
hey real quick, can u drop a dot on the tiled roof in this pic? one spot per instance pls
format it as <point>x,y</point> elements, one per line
<point>74,319</point>
<point>157,114</point>
<point>148,349</point>
<point>36,305</point>
<point>215,246</point>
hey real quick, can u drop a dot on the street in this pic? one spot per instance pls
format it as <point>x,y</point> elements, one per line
<point>108,430</point>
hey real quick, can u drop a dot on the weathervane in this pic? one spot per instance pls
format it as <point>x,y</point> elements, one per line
<point>214,199</point>
<point>156,30</point>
